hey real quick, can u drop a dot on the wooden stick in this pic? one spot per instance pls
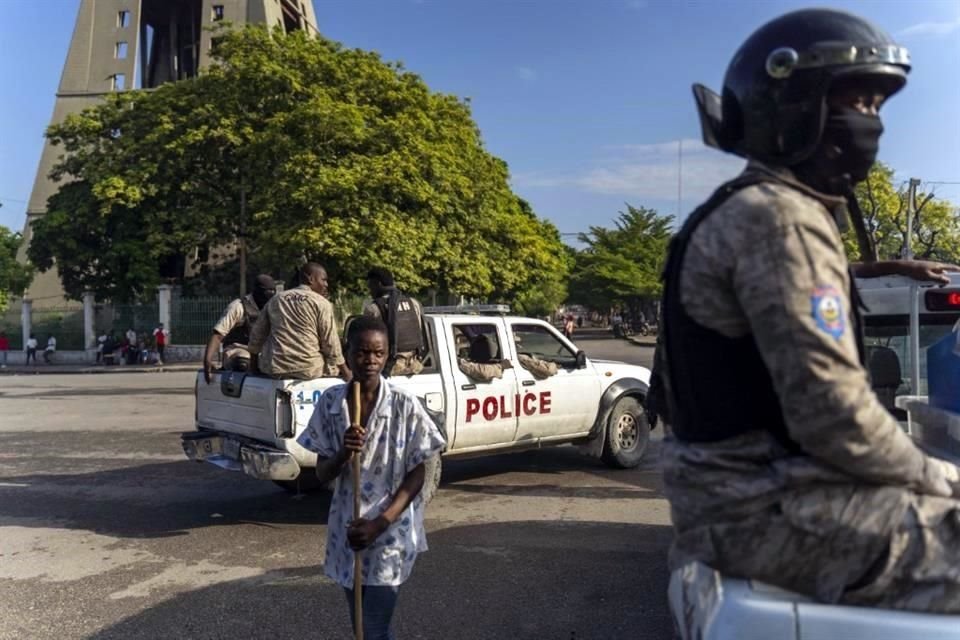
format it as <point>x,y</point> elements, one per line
<point>357,555</point>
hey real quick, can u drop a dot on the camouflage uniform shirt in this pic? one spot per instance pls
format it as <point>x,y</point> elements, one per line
<point>296,336</point>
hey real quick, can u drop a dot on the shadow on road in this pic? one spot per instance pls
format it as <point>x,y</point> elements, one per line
<point>163,499</point>
<point>156,500</point>
<point>521,580</point>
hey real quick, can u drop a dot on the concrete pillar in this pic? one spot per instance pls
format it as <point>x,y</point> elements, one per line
<point>26,320</point>
<point>89,313</point>
<point>164,301</point>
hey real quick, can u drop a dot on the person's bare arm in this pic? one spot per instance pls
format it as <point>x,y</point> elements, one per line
<point>213,345</point>
<point>922,270</point>
<point>362,532</point>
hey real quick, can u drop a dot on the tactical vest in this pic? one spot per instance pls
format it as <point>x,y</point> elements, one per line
<point>405,331</point>
<point>240,334</point>
<point>717,387</point>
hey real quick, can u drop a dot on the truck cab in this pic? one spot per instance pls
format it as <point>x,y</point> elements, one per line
<point>250,423</point>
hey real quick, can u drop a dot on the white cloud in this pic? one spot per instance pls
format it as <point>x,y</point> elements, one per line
<point>526,73</point>
<point>647,171</point>
<point>930,29</point>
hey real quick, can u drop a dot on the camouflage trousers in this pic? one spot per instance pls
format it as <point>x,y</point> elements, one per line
<point>406,364</point>
<point>236,357</point>
<point>872,546</point>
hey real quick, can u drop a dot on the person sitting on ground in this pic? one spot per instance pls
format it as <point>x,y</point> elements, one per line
<point>295,335</point>
<point>50,350</point>
<point>483,363</point>
<point>110,346</point>
<point>404,319</point>
<point>233,329</point>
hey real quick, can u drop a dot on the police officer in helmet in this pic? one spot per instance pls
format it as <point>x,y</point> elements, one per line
<point>783,465</point>
<point>404,319</point>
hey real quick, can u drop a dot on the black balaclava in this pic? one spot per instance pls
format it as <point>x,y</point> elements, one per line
<point>857,136</point>
<point>263,289</point>
<point>847,150</point>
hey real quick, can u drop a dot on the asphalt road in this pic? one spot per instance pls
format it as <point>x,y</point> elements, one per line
<point>106,531</point>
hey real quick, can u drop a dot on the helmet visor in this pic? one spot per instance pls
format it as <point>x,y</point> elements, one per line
<point>782,62</point>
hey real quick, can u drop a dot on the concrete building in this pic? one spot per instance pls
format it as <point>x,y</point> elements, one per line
<point>118,45</point>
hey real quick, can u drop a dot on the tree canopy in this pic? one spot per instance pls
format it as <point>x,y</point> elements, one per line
<point>15,277</point>
<point>936,225</point>
<point>622,265</point>
<point>332,154</point>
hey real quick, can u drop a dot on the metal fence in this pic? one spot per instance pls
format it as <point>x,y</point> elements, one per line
<point>64,323</point>
<point>192,319</point>
<point>141,317</point>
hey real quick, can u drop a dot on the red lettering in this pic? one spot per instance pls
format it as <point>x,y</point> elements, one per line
<point>490,408</point>
<point>545,402</point>
<point>516,405</point>
<point>529,404</point>
<point>504,411</point>
<point>473,408</point>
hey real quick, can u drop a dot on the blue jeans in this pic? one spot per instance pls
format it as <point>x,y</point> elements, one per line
<point>378,606</point>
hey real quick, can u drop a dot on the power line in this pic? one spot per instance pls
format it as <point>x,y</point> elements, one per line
<point>13,199</point>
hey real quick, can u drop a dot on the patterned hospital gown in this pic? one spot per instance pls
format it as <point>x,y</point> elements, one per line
<point>400,436</point>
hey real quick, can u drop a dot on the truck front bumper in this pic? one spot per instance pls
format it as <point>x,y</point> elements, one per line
<point>231,453</point>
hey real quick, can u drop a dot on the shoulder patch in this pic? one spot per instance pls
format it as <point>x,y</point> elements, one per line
<point>828,311</point>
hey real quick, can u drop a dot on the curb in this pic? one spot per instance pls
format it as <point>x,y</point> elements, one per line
<point>100,370</point>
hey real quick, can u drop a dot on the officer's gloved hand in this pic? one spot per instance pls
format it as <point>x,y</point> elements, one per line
<point>945,477</point>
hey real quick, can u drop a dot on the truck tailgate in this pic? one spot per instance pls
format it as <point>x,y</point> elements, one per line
<point>245,405</point>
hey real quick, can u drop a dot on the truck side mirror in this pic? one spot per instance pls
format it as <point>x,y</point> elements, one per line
<point>581,359</point>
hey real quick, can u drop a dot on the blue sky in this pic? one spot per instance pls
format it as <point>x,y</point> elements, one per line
<point>585,100</point>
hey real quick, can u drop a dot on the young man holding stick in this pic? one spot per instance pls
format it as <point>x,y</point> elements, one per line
<point>393,437</point>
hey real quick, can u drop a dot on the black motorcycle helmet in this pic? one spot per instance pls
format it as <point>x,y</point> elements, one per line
<point>773,107</point>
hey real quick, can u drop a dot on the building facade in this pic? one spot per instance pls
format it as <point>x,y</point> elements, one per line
<point>118,45</point>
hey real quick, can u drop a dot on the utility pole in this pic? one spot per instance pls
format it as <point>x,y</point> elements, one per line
<point>679,178</point>
<point>243,236</point>
<point>914,345</point>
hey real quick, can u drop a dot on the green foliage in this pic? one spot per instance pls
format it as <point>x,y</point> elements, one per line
<point>622,265</point>
<point>339,156</point>
<point>936,227</point>
<point>15,277</point>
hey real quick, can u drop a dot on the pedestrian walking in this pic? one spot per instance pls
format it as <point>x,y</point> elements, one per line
<point>160,336</point>
<point>395,437</point>
<point>31,349</point>
<point>568,327</point>
<point>4,348</point>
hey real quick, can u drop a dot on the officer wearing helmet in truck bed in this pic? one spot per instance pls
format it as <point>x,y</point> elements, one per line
<point>807,482</point>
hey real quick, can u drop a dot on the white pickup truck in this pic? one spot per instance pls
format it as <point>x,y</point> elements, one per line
<point>250,423</point>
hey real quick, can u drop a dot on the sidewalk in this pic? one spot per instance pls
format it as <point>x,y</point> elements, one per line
<point>60,369</point>
<point>643,341</point>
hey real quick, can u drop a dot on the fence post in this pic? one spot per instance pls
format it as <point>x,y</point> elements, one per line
<point>89,331</point>
<point>26,320</point>
<point>164,299</point>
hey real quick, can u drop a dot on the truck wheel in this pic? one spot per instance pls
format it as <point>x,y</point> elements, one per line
<point>306,482</point>
<point>628,434</point>
<point>431,481</point>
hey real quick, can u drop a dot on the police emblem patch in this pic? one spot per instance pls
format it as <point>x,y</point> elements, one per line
<point>828,311</point>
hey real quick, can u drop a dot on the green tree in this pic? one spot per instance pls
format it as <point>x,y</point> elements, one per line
<point>15,276</point>
<point>293,148</point>
<point>622,265</point>
<point>936,226</point>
